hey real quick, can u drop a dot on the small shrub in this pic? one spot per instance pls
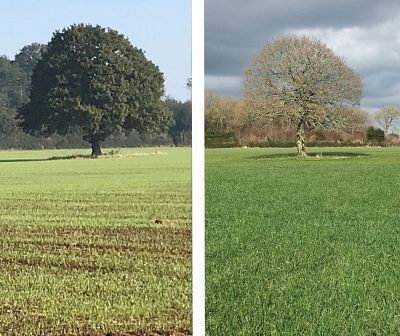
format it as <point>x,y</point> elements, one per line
<point>375,136</point>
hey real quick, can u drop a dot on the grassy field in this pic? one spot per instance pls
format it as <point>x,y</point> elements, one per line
<point>303,246</point>
<point>81,252</point>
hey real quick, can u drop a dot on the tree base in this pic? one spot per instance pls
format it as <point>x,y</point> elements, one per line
<point>302,154</point>
<point>96,150</point>
<point>301,148</point>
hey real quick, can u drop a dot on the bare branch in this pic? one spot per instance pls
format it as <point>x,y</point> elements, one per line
<point>388,116</point>
<point>302,79</point>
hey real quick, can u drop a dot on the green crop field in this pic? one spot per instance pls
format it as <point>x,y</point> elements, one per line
<point>95,246</point>
<point>303,246</point>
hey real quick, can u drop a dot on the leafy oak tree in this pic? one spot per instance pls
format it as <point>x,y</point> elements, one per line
<point>301,79</point>
<point>93,78</point>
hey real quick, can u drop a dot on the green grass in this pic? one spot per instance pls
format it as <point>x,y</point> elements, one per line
<point>81,253</point>
<point>303,246</point>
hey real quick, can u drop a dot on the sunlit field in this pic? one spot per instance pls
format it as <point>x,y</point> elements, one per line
<point>95,246</point>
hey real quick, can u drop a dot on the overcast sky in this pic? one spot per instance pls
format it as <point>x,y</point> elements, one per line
<point>366,33</point>
<point>161,28</point>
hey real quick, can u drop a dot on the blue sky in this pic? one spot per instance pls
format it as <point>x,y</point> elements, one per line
<point>162,28</point>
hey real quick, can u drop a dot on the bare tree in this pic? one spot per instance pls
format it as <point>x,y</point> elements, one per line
<point>301,79</point>
<point>351,118</point>
<point>221,113</point>
<point>387,117</point>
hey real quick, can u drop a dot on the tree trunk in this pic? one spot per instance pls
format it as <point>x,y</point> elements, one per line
<point>301,149</point>
<point>96,150</point>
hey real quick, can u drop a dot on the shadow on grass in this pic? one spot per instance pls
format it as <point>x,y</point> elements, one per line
<point>53,158</point>
<point>109,155</point>
<point>21,160</point>
<point>315,156</point>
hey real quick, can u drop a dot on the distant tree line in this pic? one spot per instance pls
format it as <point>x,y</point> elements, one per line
<point>229,122</point>
<point>15,91</point>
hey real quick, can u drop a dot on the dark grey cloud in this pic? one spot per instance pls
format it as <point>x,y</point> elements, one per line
<point>364,32</point>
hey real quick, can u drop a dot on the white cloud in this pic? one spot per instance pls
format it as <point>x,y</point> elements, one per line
<point>366,49</point>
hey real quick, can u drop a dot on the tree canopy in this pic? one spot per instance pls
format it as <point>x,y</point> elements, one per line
<point>301,79</point>
<point>93,78</point>
<point>388,116</point>
<point>221,114</point>
<point>181,129</point>
<point>29,56</point>
<point>12,85</point>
